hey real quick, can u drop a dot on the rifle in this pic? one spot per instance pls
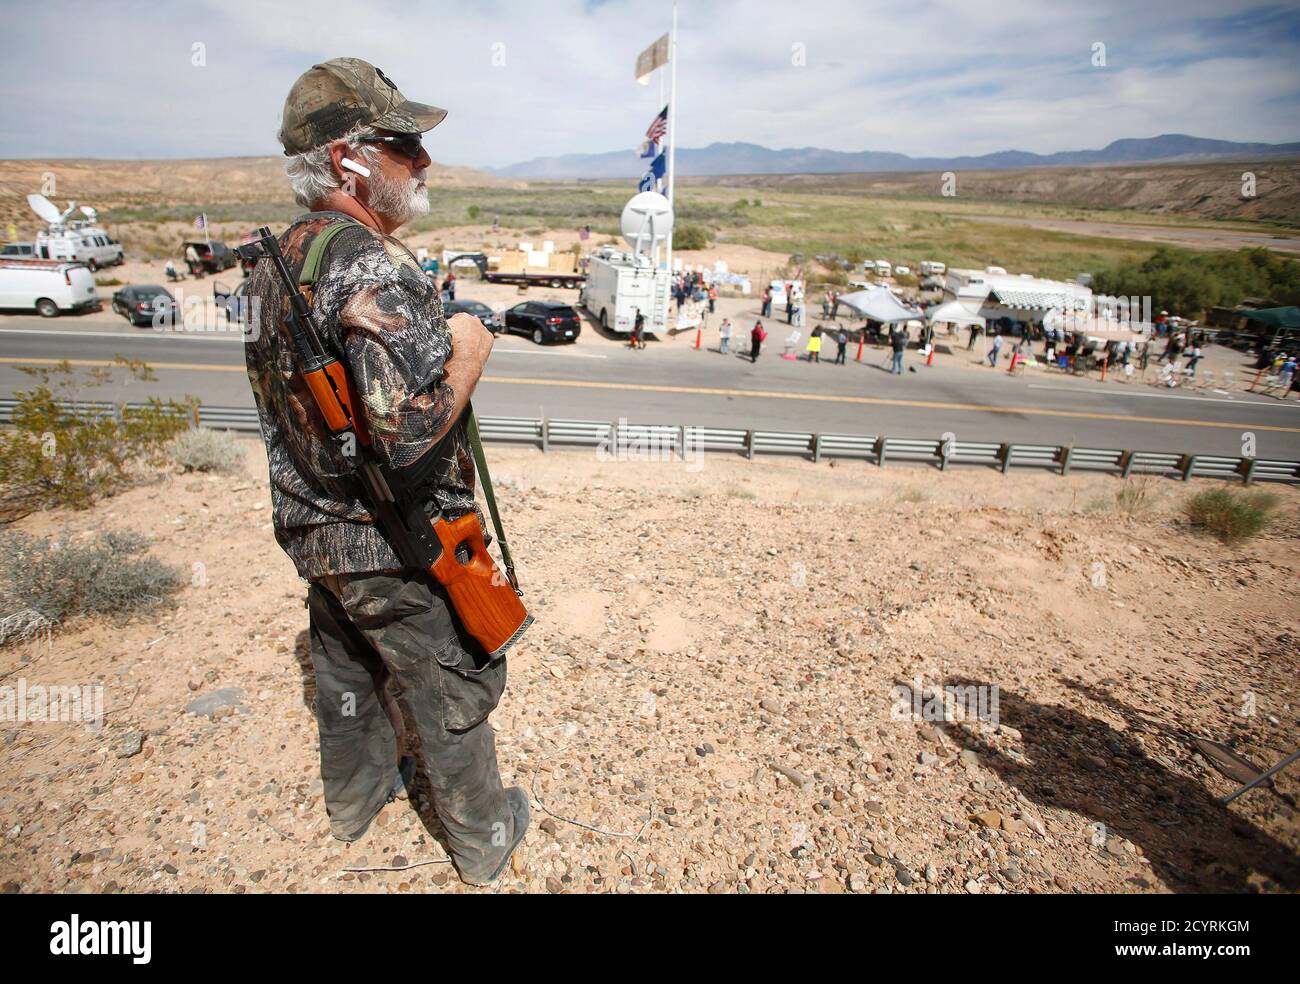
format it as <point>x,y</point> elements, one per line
<point>452,551</point>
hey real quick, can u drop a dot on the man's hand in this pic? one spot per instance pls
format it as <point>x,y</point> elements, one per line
<point>471,343</point>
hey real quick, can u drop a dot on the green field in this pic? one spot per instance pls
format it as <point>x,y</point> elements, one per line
<point>847,223</point>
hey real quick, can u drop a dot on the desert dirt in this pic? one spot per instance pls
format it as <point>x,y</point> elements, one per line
<point>706,702</point>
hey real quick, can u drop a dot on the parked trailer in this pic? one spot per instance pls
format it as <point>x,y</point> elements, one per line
<point>512,267</point>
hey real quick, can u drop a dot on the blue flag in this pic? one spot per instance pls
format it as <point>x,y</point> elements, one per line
<point>650,180</point>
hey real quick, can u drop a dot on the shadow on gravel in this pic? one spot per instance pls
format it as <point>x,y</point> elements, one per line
<point>1081,764</point>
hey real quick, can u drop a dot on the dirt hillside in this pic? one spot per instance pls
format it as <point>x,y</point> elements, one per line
<point>115,183</point>
<point>711,686</point>
<point>1204,190</point>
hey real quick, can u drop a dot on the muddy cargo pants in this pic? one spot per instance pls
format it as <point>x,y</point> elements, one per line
<point>379,636</point>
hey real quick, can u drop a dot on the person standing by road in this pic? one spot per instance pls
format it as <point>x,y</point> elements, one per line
<point>1286,375</point>
<point>756,336</point>
<point>373,621</point>
<point>974,334</point>
<point>814,348</point>
<point>638,330</point>
<point>724,335</point>
<point>842,344</point>
<point>898,342</point>
<point>766,310</point>
<point>193,262</point>
<point>997,348</point>
<point>713,298</point>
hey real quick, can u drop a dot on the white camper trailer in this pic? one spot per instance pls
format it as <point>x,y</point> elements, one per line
<point>619,284</point>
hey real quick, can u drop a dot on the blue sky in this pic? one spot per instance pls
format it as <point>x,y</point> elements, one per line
<point>521,80</point>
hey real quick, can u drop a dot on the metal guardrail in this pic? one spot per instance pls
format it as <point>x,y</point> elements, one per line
<point>681,440</point>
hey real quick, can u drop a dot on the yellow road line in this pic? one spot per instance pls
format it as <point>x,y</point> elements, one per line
<point>882,402</point>
<point>756,394</point>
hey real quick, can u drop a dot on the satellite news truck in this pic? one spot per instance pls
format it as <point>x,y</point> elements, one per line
<point>620,283</point>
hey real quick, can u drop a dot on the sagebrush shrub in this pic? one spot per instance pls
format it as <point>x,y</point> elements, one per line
<point>202,450</point>
<point>1231,515</point>
<point>60,579</point>
<point>60,451</point>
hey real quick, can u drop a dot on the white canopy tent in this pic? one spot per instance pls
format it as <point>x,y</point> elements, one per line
<point>879,304</point>
<point>955,313</point>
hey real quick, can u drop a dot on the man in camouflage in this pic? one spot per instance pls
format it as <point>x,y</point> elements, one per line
<point>386,646</point>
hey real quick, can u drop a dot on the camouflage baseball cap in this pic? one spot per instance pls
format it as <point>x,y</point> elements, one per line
<point>331,98</point>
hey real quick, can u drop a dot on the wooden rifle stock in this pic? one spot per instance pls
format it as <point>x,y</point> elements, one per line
<point>452,551</point>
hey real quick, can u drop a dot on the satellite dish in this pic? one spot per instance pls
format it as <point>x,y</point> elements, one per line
<point>647,219</point>
<point>45,208</point>
<point>89,212</point>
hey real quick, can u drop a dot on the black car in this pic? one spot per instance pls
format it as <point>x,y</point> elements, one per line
<point>214,256</point>
<point>544,321</point>
<point>146,306</point>
<point>491,320</point>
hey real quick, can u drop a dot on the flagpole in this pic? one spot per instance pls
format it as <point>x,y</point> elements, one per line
<point>672,126</point>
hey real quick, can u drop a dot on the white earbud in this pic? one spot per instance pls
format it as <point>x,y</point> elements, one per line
<point>352,165</point>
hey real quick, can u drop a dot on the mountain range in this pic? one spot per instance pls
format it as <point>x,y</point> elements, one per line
<point>748,158</point>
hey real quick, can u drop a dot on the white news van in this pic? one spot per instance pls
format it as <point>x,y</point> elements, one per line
<point>48,286</point>
<point>81,242</point>
<point>932,266</point>
<point>618,284</point>
<point>883,268</point>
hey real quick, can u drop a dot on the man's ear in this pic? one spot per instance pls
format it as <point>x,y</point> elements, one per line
<point>338,151</point>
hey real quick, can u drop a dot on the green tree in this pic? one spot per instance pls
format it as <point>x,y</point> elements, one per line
<point>691,237</point>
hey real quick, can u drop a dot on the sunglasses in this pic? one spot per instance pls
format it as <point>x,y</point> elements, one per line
<point>406,144</point>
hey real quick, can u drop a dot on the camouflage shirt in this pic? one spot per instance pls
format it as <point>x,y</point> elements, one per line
<point>383,319</point>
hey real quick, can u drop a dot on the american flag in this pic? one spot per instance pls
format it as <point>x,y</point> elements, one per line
<point>659,128</point>
<point>201,222</point>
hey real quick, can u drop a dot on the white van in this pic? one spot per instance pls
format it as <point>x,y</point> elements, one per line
<point>929,267</point>
<point>883,268</point>
<point>48,286</point>
<point>83,243</point>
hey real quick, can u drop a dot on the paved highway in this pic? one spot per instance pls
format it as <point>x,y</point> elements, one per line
<point>670,382</point>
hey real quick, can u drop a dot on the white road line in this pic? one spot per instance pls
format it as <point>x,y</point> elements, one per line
<point>234,336</point>
<point>1162,396</point>
<point>210,336</point>
<point>542,351</point>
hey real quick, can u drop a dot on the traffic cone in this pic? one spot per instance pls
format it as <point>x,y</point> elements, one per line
<point>699,332</point>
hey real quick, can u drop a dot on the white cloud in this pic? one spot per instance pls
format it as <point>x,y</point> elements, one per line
<point>935,77</point>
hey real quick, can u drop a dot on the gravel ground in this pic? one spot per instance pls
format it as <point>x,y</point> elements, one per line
<point>710,700</point>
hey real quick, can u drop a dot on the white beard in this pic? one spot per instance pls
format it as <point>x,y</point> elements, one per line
<point>399,201</point>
